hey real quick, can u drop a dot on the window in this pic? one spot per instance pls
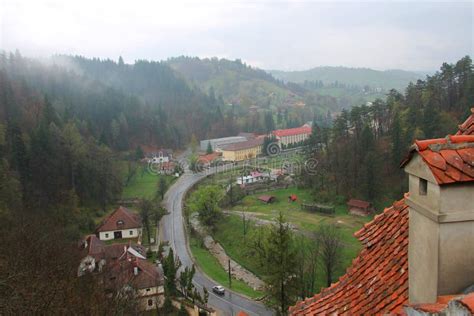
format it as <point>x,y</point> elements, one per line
<point>119,222</point>
<point>148,290</point>
<point>106,235</point>
<point>423,187</point>
<point>150,302</point>
<point>131,233</point>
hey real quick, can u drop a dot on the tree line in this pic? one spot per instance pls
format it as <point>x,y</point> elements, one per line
<point>359,154</point>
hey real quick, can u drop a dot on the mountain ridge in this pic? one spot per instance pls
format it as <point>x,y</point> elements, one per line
<point>385,79</point>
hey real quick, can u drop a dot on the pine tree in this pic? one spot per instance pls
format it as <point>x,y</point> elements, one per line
<point>280,259</point>
<point>209,148</point>
<point>396,139</point>
<point>430,122</point>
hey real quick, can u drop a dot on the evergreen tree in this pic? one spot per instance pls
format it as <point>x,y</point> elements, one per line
<point>139,153</point>
<point>431,123</point>
<point>396,139</point>
<point>269,123</point>
<point>280,259</point>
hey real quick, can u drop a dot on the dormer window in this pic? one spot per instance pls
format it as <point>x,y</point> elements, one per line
<point>119,222</point>
<point>423,187</point>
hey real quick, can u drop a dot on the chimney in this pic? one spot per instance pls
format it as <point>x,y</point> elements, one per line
<point>135,270</point>
<point>441,217</point>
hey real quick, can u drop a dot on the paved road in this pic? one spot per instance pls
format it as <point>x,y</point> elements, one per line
<point>172,230</point>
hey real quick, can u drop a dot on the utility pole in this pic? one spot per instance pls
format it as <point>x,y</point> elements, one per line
<point>230,275</point>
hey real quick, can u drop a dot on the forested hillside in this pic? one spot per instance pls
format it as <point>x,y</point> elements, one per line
<point>387,79</point>
<point>235,81</point>
<point>56,168</point>
<point>359,155</point>
<point>160,113</point>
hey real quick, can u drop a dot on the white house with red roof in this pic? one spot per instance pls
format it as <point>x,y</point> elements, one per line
<point>122,223</point>
<point>291,136</point>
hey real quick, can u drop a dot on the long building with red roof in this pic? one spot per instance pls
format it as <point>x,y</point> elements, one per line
<point>418,255</point>
<point>292,135</point>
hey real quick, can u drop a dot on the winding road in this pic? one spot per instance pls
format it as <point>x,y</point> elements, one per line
<point>172,230</point>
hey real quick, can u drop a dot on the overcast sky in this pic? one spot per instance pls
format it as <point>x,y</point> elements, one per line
<point>289,35</point>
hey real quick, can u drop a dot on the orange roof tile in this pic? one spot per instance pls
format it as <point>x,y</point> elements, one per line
<point>466,302</point>
<point>121,218</point>
<point>467,128</point>
<point>208,158</point>
<point>292,131</point>
<point>450,159</point>
<point>377,280</point>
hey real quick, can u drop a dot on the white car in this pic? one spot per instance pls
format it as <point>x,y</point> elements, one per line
<point>218,290</point>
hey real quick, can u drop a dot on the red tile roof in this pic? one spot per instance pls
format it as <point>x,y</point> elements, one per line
<point>121,272</point>
<point>461,305</point>
<point>450,159</point>
<point>467,128</point>
<point>266,198</point>
<point>208,158</point>
<point>122,214</point>
<point>94,247</point>
<point>377,280</point>
<point>292,131</point>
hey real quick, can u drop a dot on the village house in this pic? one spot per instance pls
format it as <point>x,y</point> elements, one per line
<point>292,136</point>
<point>243,150</point>
<point>122,223</point>
<point>253,177</point>
<point>95,253</point>
<point>124,266</point>
<point>145,278</point>
<point>157,156</point>
<point>418,255</point>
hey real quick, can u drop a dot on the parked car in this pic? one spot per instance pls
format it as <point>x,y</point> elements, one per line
<point>218,290</point>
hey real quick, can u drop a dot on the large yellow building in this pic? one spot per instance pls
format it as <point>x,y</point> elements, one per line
<point>242,151</point>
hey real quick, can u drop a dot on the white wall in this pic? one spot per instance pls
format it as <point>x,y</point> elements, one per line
<point>109,235</point>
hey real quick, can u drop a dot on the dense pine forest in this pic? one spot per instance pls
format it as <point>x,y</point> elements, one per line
<point>359,155</point>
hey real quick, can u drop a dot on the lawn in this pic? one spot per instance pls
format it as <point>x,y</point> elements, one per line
<point>229,232</point>
<point>144,184</point>
<point>211,267</point>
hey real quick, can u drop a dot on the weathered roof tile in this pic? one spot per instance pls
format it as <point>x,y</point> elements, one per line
<point>373,284</point>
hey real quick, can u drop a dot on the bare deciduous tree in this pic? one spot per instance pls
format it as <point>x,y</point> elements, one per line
<point>330,242</point>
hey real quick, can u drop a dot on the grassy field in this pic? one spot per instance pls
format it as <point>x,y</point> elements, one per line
<point>231,236</point>
<point>144,184</point>
<point>214,270</point>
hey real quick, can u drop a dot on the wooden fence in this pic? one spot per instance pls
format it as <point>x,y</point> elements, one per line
<point>318,208</point>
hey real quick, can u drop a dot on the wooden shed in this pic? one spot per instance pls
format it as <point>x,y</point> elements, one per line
<point>359,207</point>
<point>266,198</point>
